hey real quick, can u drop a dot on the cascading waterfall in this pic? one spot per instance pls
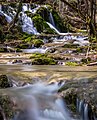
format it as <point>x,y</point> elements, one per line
<point>39,102</point>
<point>28,25</point>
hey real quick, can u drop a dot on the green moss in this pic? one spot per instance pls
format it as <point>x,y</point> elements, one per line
<point>42,59</point>
<point>6,105</point>
<point>37,42</point>
<point>29,13</point>
<point>37,55</point>
<point>23,46</point>
<point>58,22</point>
<point>70,46</point>
<point>41,25</point>
<point>2,50</point>
<point>4,82</point>
<point>71,63</point>
<point>44,13</point>
<point>18,50</point>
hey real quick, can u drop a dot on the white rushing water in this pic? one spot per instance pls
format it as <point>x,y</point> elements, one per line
<point>28,25</point>
<point>35,50</point>
<point>39,102</point>
<point>51,19</point>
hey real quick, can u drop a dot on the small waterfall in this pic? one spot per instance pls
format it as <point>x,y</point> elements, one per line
<point>28,25</point>
<point>52,27</point>
<point>86,112</point>
<point>39,102</point>
<point>51,19</point>
<point>8,18</point>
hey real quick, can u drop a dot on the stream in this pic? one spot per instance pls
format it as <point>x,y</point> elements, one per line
<point>38,99</point>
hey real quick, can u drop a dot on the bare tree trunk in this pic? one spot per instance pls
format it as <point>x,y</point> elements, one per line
<point>12,24</point>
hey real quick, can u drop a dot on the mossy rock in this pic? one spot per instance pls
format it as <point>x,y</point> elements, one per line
<point>23,46</point>
<point>29,13</point>
<point>41,25</point>
<point>38,55</point>
<point>42,59</point>
<point>44,13</point>
<point>38,43</point>
<point>18,50</point>
<point>70,45</point>
<point>58,22</point>
<point>2,50</point>
<point>6,106</point>
<point>4,82</point>
<point>86,60</point>
<point>71,63</point>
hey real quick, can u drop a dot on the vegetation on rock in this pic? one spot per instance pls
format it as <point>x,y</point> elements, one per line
<point>4,82</point>
<point>42,59</point>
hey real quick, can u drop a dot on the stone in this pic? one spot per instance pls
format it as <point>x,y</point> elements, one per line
<point>5,82</point>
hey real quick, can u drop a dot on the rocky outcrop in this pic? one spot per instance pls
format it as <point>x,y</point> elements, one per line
<point>85,91</point>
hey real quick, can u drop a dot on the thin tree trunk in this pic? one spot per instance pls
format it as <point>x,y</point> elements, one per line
<point>12,24</point>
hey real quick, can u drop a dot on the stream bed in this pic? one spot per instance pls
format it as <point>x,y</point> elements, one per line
<point>36,97</point>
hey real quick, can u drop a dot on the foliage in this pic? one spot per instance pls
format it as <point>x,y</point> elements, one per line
<point>70,45</point>
<point>4,82</point>
<point>37,42</point>
<point>71,63</point>
<point>86,60</point>
<point>58,22</point>
<point>42,59</point>
<point>41,25</point>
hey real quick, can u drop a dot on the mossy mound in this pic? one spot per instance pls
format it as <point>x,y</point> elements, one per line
<point>42,59</point>
<point>71,63</point>
<point>44,13</point>
<point>41,25</point>
<point>4,82</point>
<point>58,22</point>
<point>37,43</point>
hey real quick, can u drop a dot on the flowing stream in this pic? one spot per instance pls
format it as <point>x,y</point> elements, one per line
<point>40,101</point>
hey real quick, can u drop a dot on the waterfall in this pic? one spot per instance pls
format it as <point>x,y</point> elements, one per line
<point>8,18</point>
<point>51,19</point>
<point>52,27</point>
<point>86,112</point>
<point>83,110</point>
<point>27,7</point>
<point>39,102</point>
<point>28,25</point>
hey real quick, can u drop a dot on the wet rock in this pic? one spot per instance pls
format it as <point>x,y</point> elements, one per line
<point>6,107</point>
<point>16,61</point>
<point>5,82</point>
<point>85,89</point>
